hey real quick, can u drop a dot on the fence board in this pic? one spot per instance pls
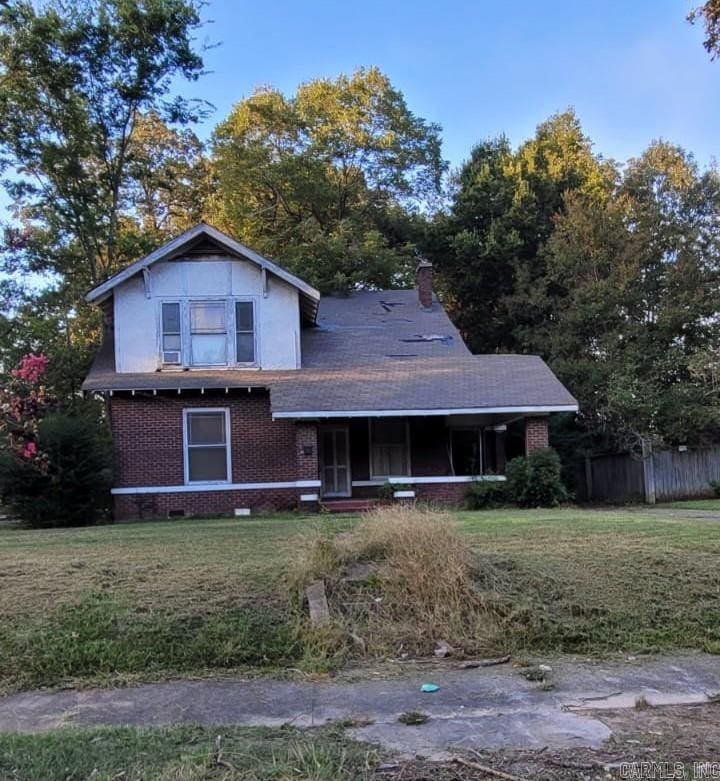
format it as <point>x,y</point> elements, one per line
<point>616,478</point>
<point>681,475</point>
<point>677,475</point>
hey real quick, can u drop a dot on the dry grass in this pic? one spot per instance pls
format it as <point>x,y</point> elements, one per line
<point>423,585</point>
<point>180,566</point>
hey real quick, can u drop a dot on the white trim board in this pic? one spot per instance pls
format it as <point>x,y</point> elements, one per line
<point>178,243</point>
<point>397,413</point>
<point>430,479</point>
<point>203,487</point>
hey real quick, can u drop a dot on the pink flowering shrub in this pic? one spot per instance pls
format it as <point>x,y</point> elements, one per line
<point>55,466</point>
<point>23,404</point>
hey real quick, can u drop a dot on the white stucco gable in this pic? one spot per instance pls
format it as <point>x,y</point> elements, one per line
<point>248,309</point>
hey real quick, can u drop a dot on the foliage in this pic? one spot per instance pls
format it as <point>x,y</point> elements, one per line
<point>84,89</point>
<point>715,485</point>
<point>488,249</point>
<point>100,636</point>
<point>535,481</point>
<point>486,495</point>
<point>709,14</point>
<point>54,466</point>
<point>324,179</point>
<point>68,482</point>
<point>635,298</point>
<point>421,586</point>
<point>187,753</point>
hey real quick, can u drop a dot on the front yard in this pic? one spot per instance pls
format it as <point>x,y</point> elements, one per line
<point>152,600</point>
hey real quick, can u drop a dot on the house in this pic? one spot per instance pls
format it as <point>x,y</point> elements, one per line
<point>232,386</point>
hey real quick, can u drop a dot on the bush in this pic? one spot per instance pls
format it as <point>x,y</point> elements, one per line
<point>73,488</point>
<point>484,495</point>
<point>534,480</point>
<point>715,485</point>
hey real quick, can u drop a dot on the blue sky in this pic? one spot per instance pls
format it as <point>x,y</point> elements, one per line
<point>633,70</point>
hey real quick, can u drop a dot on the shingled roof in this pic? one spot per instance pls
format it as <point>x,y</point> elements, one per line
<point>376,325</point>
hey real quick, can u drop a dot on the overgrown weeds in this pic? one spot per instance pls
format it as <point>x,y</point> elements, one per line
<point>422,583</point>
<point>100,636</point>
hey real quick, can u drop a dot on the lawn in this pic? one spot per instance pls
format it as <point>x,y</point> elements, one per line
<point>156,599</point>
<point>185,754</point>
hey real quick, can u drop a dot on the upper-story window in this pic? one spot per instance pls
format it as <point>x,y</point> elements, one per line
<point>208,333</point>
<point>171,334</point>
<point>245,332</point>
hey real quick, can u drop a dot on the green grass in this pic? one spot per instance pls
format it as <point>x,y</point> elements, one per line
<point>154,600</point>
<point>185,754</point>
<point>694,504</point>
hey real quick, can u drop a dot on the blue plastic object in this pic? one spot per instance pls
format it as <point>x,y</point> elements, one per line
<point>429,688</point>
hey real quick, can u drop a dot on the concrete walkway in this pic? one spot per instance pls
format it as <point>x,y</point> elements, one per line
<point>486,708</point>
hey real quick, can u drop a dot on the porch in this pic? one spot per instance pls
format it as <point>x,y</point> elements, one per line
<point>428,457</point>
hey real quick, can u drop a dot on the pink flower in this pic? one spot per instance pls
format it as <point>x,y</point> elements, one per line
<point>30,450</point>
<point>31,367</point>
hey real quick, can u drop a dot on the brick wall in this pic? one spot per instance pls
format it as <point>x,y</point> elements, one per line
<point>148,445</point>
<point>536,434</point>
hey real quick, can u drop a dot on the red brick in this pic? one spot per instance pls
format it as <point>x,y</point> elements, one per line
<point>536,434</point>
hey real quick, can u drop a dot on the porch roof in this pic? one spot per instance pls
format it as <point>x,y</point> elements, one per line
<point>441,386</point>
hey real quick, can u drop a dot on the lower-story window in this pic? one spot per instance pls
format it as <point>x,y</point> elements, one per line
<point>389,448</point>
<point>207,445</point>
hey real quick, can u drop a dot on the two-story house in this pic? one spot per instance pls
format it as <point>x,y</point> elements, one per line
<point>232,386</point>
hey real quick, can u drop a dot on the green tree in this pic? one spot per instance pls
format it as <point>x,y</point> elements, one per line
<point>709,14</point>
<point>489,249</point>
<point>635,329</point>
<point>80,83</point>
<point>327,180</point>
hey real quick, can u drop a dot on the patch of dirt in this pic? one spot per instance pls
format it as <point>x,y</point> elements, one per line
<point>671,737</point>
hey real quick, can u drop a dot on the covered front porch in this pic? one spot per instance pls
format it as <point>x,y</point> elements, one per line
<point>428,457</point>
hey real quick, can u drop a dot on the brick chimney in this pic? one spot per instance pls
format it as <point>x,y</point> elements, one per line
<point>423,282</point>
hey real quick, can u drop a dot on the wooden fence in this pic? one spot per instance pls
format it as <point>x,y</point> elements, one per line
<point>657,476</point>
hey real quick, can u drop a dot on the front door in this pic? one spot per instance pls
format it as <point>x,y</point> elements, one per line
<point>335,460</point>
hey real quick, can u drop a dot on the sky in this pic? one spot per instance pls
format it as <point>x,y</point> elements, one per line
<point>634,70</point>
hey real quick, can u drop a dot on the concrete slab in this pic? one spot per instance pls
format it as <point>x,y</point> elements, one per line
<point>485,708</point>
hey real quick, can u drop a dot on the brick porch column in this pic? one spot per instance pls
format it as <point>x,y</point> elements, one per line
<point>536,434</point>
<point>306,449</point>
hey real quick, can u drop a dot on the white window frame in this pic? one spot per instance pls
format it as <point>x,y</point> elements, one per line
<point>256,342</point>
<point>374,475</point>
<point>186,361</point>
<point>229,337</point>
<point>186,446</point>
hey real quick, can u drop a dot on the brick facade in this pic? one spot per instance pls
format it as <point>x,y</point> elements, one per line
<point>148,446</point>
<point>148,443</point>
<point>536,434</point>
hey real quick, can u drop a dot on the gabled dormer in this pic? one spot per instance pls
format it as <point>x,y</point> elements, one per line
<point>205,301</point>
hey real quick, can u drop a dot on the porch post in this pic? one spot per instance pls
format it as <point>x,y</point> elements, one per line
<point>306,451</point>
<point>500,454</point>
<point>536,434</point>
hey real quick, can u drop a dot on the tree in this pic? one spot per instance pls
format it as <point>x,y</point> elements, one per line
<point>55,466</point>
<point>635,330</point>
<point>709,13</point>
<point>490,248</point>
<point>83,88</point>
<point>326,180</point>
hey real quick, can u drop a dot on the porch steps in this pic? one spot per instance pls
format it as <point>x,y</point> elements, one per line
<point>347,505</point>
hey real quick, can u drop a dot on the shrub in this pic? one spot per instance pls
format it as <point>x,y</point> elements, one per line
<point>715,485</point>
<point>534,480</point>
<point>484,495</point>
<point>72,488</point>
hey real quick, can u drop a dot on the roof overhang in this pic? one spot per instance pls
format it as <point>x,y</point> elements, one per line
<point>309,296</point>
<point>402,413</point>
